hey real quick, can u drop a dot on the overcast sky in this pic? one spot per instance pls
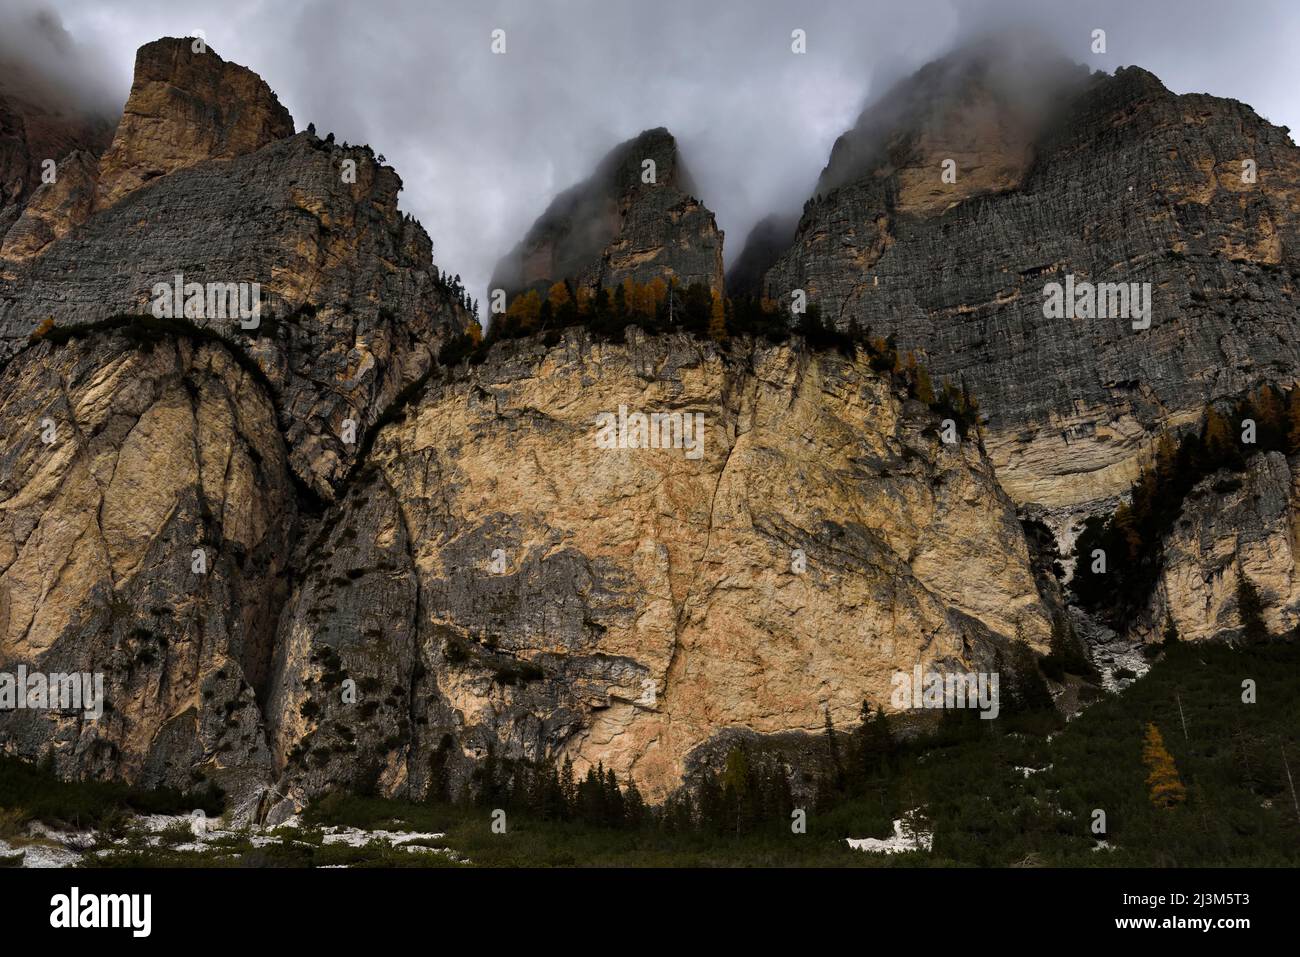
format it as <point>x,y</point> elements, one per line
<point>483,141</point>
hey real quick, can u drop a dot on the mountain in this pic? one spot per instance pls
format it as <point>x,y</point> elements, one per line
<point>635,218</point>
<point>344,542</point>
<point>205,178</point>
<point>189,441</point>
<point>1105,179</point>
<point>499,578</point>
<point>39,123</point>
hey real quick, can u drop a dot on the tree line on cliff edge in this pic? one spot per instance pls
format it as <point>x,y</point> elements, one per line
<point>659,307</point>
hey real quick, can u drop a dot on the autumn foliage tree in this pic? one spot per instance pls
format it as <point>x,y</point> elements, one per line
<point>41,331</point>
<point>717,320</point>
<point>666,305</point>
<point>1164,786</point>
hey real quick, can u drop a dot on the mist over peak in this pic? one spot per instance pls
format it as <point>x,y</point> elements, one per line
<point>42,64</point>
<point>484,142</point>
<point>999,85</point>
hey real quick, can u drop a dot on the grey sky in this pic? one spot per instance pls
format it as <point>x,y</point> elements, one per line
<point>483,141</point>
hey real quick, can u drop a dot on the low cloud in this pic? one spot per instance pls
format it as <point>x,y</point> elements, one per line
<point>483,142</point>
<point>42,62</point>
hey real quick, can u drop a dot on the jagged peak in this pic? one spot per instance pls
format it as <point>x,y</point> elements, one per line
<point>573,238</point>
<point>187,105</point>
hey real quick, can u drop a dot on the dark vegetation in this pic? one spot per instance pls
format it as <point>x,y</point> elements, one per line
<point>452,287</point>
<point>145,331</point>
<point>36,794</point>
<point>992,793</point>
<point>1132,537</point>
<point>752,791</point>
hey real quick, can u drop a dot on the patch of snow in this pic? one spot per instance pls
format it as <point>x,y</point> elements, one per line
<point>354,837</point>
<point>913,839</point>
<point>1028,771</point>
<point>41,855</point>
<point>51,848</point>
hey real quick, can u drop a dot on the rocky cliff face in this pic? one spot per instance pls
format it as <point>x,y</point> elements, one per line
<point>187,106</point>
<point>630,220</point>
<point>54,210</point>
<point>1121,181</point>
<point>1231,525</point>
<point>145,515</point>
<point>304,555</point>
<point>353,307</point>
<point>38,124</point>
<point>765,244</point>
<point>497,578</point>
<point>154,480</point>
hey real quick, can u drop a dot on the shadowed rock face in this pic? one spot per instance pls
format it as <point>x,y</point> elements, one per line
<point>153,457</point>
<point>616,226</point>
<point>496,577</point>
<point>1124,182</point>
<point>1231,524</point>
<point>195,434</point>
<point>766,243</point>
<point>54,209</point>
<point>281,217</point>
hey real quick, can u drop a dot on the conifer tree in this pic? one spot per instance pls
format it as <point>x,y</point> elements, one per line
<point>634,807</point>
<point>1219,445</point>
<point>712,812</point>
<point>1165,459</point>
<point>924,385</point>
<point>1068,650</point>
<point>717,320</point>
<point>489,786</point>
<point>736,787</point>
<point>875,742</point>
<point>613,801</point>
<point>1293,421</point>
<point>1250,609</point>
<point>591,796</point>
<point>833,752</point>
<point>1164,786</point>
<point>1031,693</point>
<point>568,790</point>
<point>1270,416</point>
<point>439,771</point>
<point>1170,634</point>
